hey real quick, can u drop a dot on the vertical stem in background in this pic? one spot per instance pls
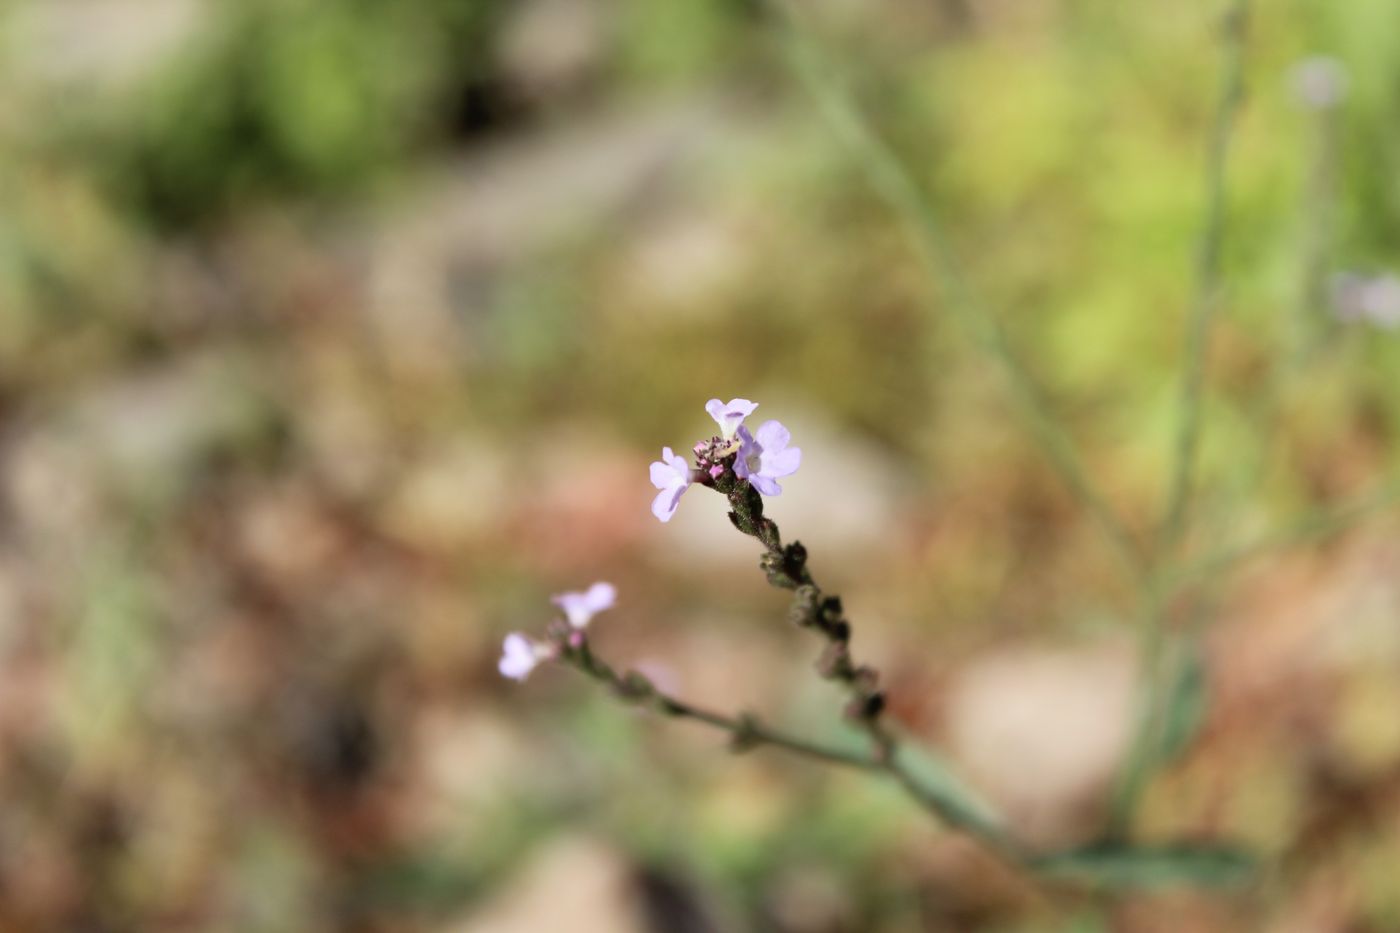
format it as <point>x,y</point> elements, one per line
<point>1156,652</point>
<point>1302,334</point>
<point>1206,298</point>
<point>893,181</point>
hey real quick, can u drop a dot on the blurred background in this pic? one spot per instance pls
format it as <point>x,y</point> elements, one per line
<point>335,336</point>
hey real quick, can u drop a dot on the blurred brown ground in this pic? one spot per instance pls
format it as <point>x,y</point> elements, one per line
<point>278,474</point>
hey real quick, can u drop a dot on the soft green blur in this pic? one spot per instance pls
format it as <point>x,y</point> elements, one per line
<point>335,336</point>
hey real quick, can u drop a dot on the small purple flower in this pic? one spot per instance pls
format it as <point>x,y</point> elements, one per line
<point>730,416</point>
<point>671,475</point>
<point>579,608</point>
<point>1370,299</point>
<point>520,655</point>
<point>1320,82</point>
<point>764,457</point>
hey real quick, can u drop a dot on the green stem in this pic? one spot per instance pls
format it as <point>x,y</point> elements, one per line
<point>894,182</point>
<point>746,731</point>
<point>1315,526</point>
<point>937,791</point>
<point>1143,753</point>
<point>1143,745</point>
<point>1206,300</point>
<point>939,795</point>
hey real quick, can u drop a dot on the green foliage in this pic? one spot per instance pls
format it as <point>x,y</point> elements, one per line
<point>302,98</point>
<point>1127,868</point>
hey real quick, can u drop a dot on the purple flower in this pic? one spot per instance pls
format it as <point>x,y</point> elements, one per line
<point>520,655</point>
<point>1320,82</point>
<point>765,456</point>
<point>579,608</point>
<point>671,475</point>
<point>730,416</point>
<point>1372,299</point>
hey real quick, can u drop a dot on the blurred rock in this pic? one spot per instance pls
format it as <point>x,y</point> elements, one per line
<point>464,760</point>
<point>99,44</point>
<point>139,437</point>
<point>452,495</point>
<point>681,265</point>
<point>550,48</point>
<point>575,884</point>
<point>1042,731</point>
<point>810,899</point>
<point>434,265</point>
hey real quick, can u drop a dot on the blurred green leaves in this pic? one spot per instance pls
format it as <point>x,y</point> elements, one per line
<point>1121,867</point>
<point>302,98</point>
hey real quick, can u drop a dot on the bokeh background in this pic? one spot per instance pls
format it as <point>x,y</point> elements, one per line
<point>335,336</point>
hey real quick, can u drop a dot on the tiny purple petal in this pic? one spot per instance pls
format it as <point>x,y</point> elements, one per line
<point>747,461</point>
<point>764,457</point>
<point>784,462</point>
<point>671,475</point>
<point>1320,82</point>
<point>580,608</point>
<point>662,476</point>
<point>772,436</point>
<point>518,657</point>
<point>765,484</point>
<point>601,596</point>
<point>729,416</point>
<point>666,501</point>
<point>1382,301</point>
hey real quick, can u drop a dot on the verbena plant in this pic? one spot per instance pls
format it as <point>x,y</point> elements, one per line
<point>745,467</point>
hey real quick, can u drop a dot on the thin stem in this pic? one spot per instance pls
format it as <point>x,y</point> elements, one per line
<point>1315,526</point>
<point>895,183</point>
<point>1206,299</point>
<point>1160,649</point>
<point>745,731</point>
<point>1143,752</point>
<point>941,796</point>
<point>1301,340</point>
<point>1142,748</point>
<point>785,565</point>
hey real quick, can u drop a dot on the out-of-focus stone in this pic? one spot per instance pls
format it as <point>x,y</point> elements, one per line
<point>101,44</point>
<point>549,48</point>
<point>575,884</point>
<point>433,265</point>
<point>451,496</point>
<point>811,900</point>
<point>1042,732</point>
<point>138,437</point>
<point>681,265</point>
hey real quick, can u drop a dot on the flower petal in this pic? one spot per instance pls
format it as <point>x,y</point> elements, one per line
<point>678,465</point>
<point>765,485</point>
<point>783,463</point>
<point>600,596</point>
<point>772,436</point>
<point>664,505</point>
<point>518,657</point>
<point>662,475</point>
<point>729,416</point>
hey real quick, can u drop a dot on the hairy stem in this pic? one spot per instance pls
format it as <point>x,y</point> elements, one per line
<point>786,568</point>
